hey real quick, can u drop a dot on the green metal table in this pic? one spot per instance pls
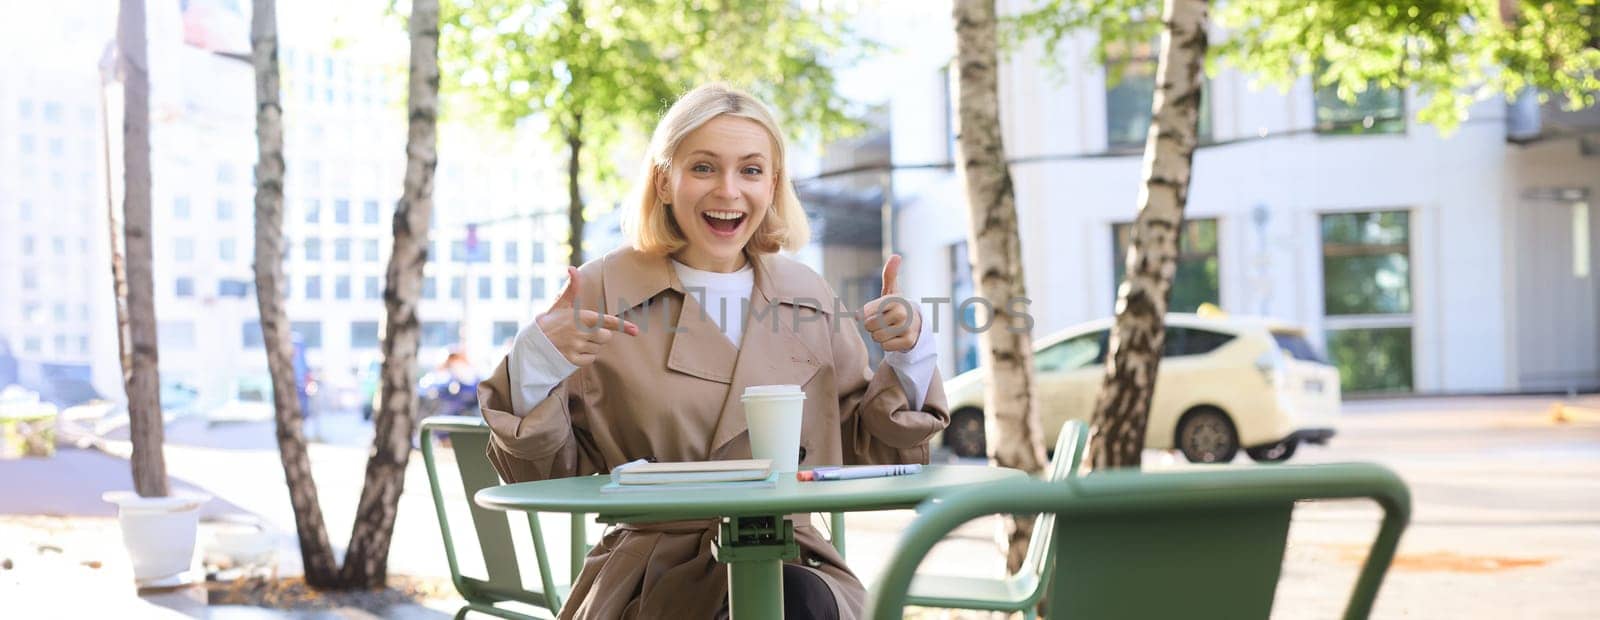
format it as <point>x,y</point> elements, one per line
<point>754,538</point>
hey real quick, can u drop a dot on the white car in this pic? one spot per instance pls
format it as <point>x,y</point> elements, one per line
<point>1224,383</point>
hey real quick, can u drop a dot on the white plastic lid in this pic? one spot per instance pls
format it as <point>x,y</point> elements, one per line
<point>773,391</point>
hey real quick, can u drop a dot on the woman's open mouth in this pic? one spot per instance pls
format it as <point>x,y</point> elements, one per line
<point>723,223</point>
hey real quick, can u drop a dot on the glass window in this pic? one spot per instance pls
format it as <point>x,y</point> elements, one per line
<point>176,335</point>
<point>341,249</point>
<point>485,287</point>
<point>224,173</point>
<point>341,211</point>
<point>1198,279</point>
<point>1071,354</point>
<point>458,251</point>
<point>25,109</point>
<point>313,287</point>
<point>504,332</point>
<point>511,252</point>
<point>224,211</point>
<point>313,249</point>
<point>183,249</point>
<point>1372,110</point>
<point>341,287</point>
<point>227,250</point>
<point>965,335</point>
<point>369,250</point>
<point>229,287</point>
<point>439,333</point>
<point>53,111</point>
<point>313,211</point>
<point>58,245</point>
<point>512,287</point>
<point>536,288</point>
<point>1366,263</point>
<point>538,252</point>
<point>364,334</point>
<point>27,245</point>
<point>1182,341</point>
<point>26,144</point>
<point>1296,345</point>
<point>251,332</point>
<point>310,333</point>
<point>430,288</point>
<point>57,147</point>
<point>30,280</point>
<point>180,208</point>
<point>456,285</point>
<point>1129,100</point>
<point>374,287</point>
<point>1372,360</point>
<point>369,212</point>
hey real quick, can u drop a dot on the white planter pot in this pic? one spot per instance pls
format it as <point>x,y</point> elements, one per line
<point>159,533</point>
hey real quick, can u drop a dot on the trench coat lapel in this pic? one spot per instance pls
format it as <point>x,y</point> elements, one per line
<point>770,352</point>
<point>698,346</point>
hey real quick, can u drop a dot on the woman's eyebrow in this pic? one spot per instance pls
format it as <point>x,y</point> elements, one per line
<point>714,155</point>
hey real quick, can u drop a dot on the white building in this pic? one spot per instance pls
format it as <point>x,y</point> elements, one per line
<point>345,130</point>
<point>1425,263</point>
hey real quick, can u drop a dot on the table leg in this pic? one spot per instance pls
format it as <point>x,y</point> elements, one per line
<point>754,549</point>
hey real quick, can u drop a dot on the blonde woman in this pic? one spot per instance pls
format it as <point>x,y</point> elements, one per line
<point>647,349</point>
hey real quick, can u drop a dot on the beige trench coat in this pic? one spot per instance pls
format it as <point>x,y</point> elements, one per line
<point>672,393</point>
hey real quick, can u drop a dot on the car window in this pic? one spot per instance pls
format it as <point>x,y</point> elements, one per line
<point>1297,346</point>
<point>1202,341</point>
<point>1071,354</point>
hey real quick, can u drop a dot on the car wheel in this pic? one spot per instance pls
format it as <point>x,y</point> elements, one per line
<point>1273,453</point>
<point>964,436</point>
<point>1208,436</point>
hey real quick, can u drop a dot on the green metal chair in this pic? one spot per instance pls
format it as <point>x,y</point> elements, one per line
<point>469,437</point>
<point>1019,591</point>
<point>1164,545</point>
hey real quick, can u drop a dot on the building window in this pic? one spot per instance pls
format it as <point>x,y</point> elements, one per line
<point>183,287</point>
<point>458,251</point>
<point>439,333</point>
<point>180,208</point>
<point>176,335</point>
<point>341,211</point>
<point>511,252</point>
<point>313,287</point>
<point>538,252</point>
<point>224,174</point>
<point>485,287</point>
<point>512,287</point>
<point>341,249</point>
<point>341,287</point>
<point>1198,278</point>
<point>313,249</point>
<point>226,250</point>
<point>1373,110</point>
<point>369,212</point>
<point>430,288</point>
<point>183,249</point>
<point>504,333</point>
<point>59,246</point>
<point>236,288</point>
<point>1366,283</point>
<point>310,333</point>
<point>1130,98</point>
<point>363,334</point>
<point>30,280</point>
<point>224,211</point>
<point>27,245</point>
<point>250,332</point>
<point>369,250</point>
<point>313,211</point>
<point>374,287</point>
<point>965,334</point>
<point>536,288</point>
<point>456,285</point>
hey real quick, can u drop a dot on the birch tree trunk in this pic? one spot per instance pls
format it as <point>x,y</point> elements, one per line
<point>574,195</point>
<point>996,254</point>
<point>141,381</point>
<point>321,570</point>
<point>1122,409</point>
<point>367,559</point>
<point>119,269</point>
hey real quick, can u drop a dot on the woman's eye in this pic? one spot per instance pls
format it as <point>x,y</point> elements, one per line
<point>701,168</point>
<point>752,170</point>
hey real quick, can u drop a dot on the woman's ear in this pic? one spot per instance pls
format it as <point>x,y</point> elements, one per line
<point>663,196</point>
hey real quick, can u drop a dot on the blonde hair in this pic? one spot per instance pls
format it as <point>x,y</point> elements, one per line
<point>650,226</point>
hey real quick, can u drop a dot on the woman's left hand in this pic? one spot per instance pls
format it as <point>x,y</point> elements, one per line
<point>892,321</point>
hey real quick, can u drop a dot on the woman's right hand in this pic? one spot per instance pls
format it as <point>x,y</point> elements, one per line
<point>580,334</point>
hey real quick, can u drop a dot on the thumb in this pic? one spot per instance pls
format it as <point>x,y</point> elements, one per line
<point>891,271</point>
<point>569,295</point>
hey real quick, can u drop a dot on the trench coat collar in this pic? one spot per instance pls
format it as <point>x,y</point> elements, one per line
<point>771,350</point>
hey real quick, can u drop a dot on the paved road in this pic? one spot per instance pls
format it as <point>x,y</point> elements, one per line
<point>1507,508</point>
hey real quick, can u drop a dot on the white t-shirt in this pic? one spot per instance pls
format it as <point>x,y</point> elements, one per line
<point>537,366</point>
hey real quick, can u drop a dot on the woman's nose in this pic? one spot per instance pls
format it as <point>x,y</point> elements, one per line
<point>728,186</point>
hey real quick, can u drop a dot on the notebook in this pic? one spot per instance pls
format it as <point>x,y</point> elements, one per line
<point>764,483</point>
<point>638,473</point>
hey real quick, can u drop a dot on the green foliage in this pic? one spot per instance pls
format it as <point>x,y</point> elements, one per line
<point>599,70</point>
<point>1451,52</point>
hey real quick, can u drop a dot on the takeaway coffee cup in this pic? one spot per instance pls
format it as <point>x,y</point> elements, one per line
<point>773,414</point>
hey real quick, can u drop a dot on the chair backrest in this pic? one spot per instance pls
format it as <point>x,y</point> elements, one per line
<point>469,439</point>
<point>1070,443</point>
<point>1193,544</point>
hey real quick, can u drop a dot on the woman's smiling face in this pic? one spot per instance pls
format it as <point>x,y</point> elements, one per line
<point>720,186</point>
